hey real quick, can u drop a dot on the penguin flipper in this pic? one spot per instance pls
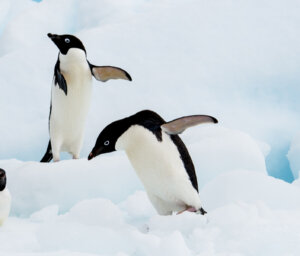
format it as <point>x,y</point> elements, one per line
<point>178,125</point>
<point>59,78</point>
<point>105,73</point>
<point>48,155</point>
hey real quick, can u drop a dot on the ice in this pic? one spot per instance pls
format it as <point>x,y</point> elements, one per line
<point>219,150</point>
<point>95,208</point>
<point>250,187</point>
<point>143,209</point>
<point>247,224</point>
<point>91,212</point>
<point>293,156</point>
<point>237,61</point>
<point>68,182</point>
<point>297,182</point>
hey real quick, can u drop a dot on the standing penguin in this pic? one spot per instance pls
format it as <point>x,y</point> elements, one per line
<point>5,198</point>
<point>71,95</point>
<point>159,157</point>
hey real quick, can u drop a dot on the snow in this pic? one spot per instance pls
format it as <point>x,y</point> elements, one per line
<point>248,213</point>
<point>68,182</point>
<point>219,150</point>
<point>237,61</point>
<point>250,187</point>
<point>233,64</point>
<point>293,156</point>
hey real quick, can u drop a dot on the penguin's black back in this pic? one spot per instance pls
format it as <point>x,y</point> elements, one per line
<point>186,159</point>
<point>48,155</point>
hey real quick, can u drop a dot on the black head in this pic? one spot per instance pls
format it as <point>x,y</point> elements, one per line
<point>2,179</point>
<point>106,141</point>
<point>65,42</point>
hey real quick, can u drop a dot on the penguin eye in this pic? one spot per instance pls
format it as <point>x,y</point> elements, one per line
<point>106,143</point>
<point>67,40</point>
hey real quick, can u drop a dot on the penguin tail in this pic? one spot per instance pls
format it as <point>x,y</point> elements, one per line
<point>48,155</point>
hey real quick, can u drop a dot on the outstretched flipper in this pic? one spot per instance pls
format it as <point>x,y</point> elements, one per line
<point>59,78</point>
<point>178,125</point>
<point>105,73</point>
<point>48,155</point>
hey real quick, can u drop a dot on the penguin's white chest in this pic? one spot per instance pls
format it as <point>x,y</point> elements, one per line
<point>5,204</point>
<point>158,164</point>
<point>69,111</point>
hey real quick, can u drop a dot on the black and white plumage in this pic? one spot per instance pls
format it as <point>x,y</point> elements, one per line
<point>5,198</point>
<point>159,157</point>
<point>71,94</point>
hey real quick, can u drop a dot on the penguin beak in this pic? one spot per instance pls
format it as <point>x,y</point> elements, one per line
<point>52,36</point>
<point>91,156</point>
<point>95,152</point>
<point>55,38</point>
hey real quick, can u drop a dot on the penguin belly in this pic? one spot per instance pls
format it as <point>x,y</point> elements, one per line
<point>5,204</point>
<point>161,170</point>
<point>69,112</point>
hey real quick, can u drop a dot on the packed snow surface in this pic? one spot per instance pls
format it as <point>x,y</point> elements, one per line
<point>294,155</point>
<point>237,61</point>
<point>98,207</point>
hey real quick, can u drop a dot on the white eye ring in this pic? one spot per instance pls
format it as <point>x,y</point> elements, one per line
<point>67,40</point>
<point>106,143</point>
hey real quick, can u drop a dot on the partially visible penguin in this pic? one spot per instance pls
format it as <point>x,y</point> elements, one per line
<point>71,94</point>
<point>159,157</point>
<point>5,198</point>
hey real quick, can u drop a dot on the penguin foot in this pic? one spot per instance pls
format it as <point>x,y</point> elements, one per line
<point>56,158</point>
<point>202,211</point>
<point>189,209</point>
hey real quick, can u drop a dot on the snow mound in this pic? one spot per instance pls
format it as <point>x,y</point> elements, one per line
<point>68,182</point>
<point>250,187</point>
<point>217,150</point>
<point>294,156</point>
<point>243,224</point>
<point>297,182</point>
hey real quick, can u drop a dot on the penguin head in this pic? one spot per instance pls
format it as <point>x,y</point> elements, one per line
<point>2,179</point>
<point>107,139</point>
<point>147,119</point>
<point>110,135</point>
<point>66,42</point>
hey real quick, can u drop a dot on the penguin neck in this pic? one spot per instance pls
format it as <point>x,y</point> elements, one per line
<point>73,57</point>
<point>135,137</point>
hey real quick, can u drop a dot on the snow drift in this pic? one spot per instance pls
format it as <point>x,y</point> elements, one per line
<point>237,61</point>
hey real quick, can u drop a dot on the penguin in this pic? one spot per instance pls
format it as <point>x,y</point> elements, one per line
<point>5,198</point>
<point>71,95</point>
<point>159,157</point>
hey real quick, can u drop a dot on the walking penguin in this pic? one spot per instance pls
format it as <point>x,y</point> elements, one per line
<point>159,157</point>
<point>71,95</point>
